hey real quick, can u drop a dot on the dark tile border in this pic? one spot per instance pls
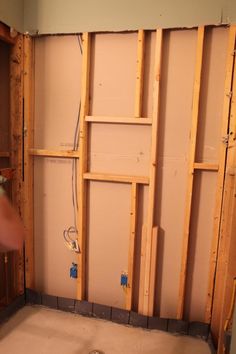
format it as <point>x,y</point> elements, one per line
<point>86,308</point>
<point>120,316</point>
<point>158,323</point>
<point>50,301</point>
<point>138,320</point>
<point>66,304</point>
<point>102,311</point>
<point>178,326</point>
<point>11,309</point>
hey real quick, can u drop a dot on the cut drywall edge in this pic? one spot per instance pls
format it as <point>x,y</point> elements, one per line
<point>50,17</point>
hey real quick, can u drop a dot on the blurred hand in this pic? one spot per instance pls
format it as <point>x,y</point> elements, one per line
<point>11,228</point>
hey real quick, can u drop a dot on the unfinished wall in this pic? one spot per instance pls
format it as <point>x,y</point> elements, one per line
<point>125,149</point>
<point>81,16</point>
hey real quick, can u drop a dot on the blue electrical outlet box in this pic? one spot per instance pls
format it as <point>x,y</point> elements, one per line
<point>74,271</point>
<point>124,279</point>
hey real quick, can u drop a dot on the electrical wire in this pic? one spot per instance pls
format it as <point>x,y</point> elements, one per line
<point>72,242</point>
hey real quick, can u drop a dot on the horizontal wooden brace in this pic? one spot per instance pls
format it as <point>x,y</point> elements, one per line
<point>116,178</point>
<point>206,166</point>
<point>54,153</point>
<point>4,154</point>
<point>118,120</point>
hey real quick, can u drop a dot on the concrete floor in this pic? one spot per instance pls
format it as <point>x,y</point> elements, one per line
<point>37,330</point>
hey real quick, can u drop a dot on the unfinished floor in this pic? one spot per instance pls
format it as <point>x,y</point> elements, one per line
<point>37,330</point>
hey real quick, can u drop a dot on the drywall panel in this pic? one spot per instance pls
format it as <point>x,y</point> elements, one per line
<point>109,155</point>
<point>53,213</point>
<point>109,225</point>
<point>12,13</point>
<point>212,94</point>
<point>113,94</point>
<point>57,91</point>
<point>200,244</point>
<point>59,16</point>
<point>4,96</point>
<point>179,51</point>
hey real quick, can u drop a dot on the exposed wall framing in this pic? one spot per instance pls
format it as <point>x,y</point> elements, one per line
<point>148,242</point>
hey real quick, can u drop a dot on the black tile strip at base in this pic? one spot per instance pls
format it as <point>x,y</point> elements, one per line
<point>11,309</point>
<point>85,308</point>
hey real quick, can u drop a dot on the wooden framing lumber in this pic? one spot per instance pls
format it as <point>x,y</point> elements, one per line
<point>54,153</point>
<point>115,178</point>
<point>139,74</point>
<point>82,167</point>
<point>147,306</point>
<point>142,268</point>
<point>4,154</point>
<point>16,125</point>
<point>221,171</point>
<point>193,140</point>
<point>118,120</point>
<point>5,34</point>
<point>132,239</point>
<point>28,160</point>
<point>206,166</point>
<point>153,267</point>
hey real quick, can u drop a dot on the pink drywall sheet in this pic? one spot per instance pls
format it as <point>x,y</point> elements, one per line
<point>57,91</point>
<point>53,214</point>
<point>113,74</point>
<point>125,149</point>
<point>212,94</point>
<point>109,205</point>
<point>200,244</point>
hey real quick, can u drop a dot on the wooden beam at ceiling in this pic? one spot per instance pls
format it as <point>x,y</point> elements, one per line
<point>147,297</point>
<point>221,171</point>
<point>54,153</point>
<point>118,120</point>
<point>28,160</point>
<point>82,166</point>
<point>193,141</point>
<point>139,74</point>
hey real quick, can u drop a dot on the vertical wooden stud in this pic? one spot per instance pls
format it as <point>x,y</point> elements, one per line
<point>132,238</point>
<point>16,125</point>
<point>221,171</point>
<point>28,160</point>
<point>193,139</point>
<point>139,75</point>
<point>153,268</point>
<point>142,268</point>
<point>147,307</point>
<point>82,166</point>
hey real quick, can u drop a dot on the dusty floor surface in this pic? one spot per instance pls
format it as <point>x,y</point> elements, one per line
<point>37,330</point>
